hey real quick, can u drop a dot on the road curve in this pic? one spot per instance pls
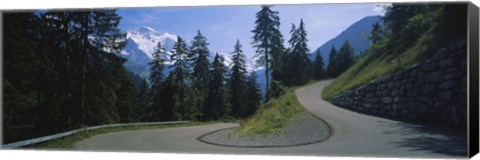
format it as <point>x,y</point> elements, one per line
<point>354,134</point>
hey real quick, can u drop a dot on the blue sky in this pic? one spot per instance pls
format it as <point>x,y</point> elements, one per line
<point>222,25</point>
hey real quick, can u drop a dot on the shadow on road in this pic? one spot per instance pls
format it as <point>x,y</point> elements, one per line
<point>431,138</point>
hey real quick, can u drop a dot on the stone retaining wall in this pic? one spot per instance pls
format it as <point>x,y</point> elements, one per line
<point>432,90</point>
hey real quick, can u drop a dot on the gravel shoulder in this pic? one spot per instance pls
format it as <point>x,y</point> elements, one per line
<point>305,129</point>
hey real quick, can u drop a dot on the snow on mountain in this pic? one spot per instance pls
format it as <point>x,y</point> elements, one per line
<point>144,41</point>
<point>228,60</point>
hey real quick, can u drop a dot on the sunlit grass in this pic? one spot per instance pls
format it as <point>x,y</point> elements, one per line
<point>273,115</point>
<point>373,66</point>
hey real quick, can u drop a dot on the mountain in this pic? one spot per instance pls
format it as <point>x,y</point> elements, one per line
<point>356,34</point>
<point>142,43</point>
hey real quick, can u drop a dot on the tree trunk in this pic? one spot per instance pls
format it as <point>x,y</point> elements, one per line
<point>267,91</point>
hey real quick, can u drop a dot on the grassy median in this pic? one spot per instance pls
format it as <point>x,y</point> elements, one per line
<point>273,115</point>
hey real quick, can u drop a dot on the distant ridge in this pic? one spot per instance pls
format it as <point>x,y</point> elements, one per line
<point>356,34</point>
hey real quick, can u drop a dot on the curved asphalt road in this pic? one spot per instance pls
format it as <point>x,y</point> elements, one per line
<point>354,134</point>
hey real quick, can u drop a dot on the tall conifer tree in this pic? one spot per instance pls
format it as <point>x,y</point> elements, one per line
<point>199,56</point>
<point>238,81</point>
<point>156,68</point>
<point>254,96</point>
<point>319,67</point>
<point>299,63</point>
<point>268,42</point>
<point>184,97</point>
<point>332,63</point>
<point>216,105</point>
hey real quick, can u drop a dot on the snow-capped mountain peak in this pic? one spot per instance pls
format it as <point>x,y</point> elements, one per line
<point>145,39</point>
<point>167,35</point>
<point>146,29</point>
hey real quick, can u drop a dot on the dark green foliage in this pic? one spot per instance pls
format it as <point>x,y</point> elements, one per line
<point>216,102</point>
<point>319,71</point>
<point>24,71</point>
<point>340,61</point>
<point>237,82</point>
<point>332,68</point>
<point>127,97</point>
<point>156,68</point>
<point>254,96</point>
<point>405,23</point>
<point>156,76</point>
<point>164,102</point>
<point>298,64</point>
<point>346,57</point>
<point>404,26</point>
<point>268,42</point>
<point>376,33</point>
<point>453,23</point>
<point>143,100</point>
<point>199,55</point>
<point>411,32</point>
<point>62,72</point>
<point>185,100</point>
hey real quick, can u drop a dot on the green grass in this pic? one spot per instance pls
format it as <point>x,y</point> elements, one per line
<point>272,116</point>
<point>373,66</point>
<point>68,141</point>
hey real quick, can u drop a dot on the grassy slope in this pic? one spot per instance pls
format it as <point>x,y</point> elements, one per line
<point>273,115</point>
<point>373,66</point>
<point>67,142</point>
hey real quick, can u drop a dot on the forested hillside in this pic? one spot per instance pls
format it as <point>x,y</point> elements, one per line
<point>65,70</point>
<point>357,34</point>
<point>61,72</point>
<point>410,33</point>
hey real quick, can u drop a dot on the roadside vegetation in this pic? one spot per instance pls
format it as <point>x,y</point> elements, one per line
<point>271,117</point>
<point>72,80</point>
<point>69,141</point>
<point>410,33</point>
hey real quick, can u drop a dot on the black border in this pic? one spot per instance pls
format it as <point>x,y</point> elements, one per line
<point>473,43</point>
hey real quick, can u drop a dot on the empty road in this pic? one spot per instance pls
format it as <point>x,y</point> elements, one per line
<point>353,134</point>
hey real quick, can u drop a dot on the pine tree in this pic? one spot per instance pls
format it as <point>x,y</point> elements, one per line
<point>156,77</point>
<point>156,68</point>
<point>28,79</point>
<point>215,106</point>
<point>319,67</point>
<point>73,76</point>
<point>332,63</point>
<point>125,92</point>
<point>254,96</point>
<point>340,61</point>
<point>163,104</point>
<point>143,100</point>
<point>346,57</point>
<point>184,96</point>
<point>268,41</point>
<point>237,81</point>
<point>299,62</point>
<point>199,56</point>
<point>199,60</point>
<point>375,34</point>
